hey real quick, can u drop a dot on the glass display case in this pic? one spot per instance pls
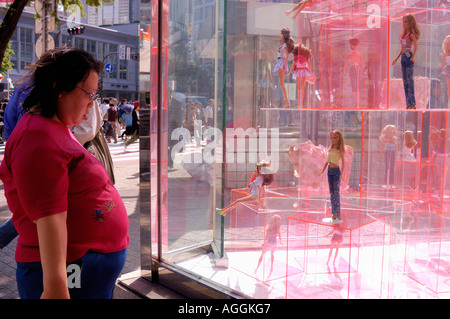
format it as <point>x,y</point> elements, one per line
<point>220,102</point>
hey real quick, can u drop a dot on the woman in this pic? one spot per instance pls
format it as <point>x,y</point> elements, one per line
<point>65,207</point>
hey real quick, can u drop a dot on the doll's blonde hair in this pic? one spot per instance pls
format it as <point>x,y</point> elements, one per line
<point>341,142</point>
<point>389,134</point>
<point>446,44</point>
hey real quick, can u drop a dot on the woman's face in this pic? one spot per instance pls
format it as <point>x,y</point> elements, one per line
<point>74,106</point>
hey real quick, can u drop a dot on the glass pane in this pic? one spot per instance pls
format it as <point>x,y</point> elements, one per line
<point>339,76</point>
<point>189,100</point>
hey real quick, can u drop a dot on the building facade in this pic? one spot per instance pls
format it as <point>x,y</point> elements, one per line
<point>103,43</point>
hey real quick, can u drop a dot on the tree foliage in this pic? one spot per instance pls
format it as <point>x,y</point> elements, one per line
<point>14,12</point>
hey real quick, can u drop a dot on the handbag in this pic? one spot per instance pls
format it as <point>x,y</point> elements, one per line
<point>311,78</point>
<point>99,148</point>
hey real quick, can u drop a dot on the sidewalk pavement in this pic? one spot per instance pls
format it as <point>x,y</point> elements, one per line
<point>127,184</point>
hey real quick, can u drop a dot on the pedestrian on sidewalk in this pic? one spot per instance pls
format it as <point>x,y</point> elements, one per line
<point>65,208</point>
<point>112,119</point>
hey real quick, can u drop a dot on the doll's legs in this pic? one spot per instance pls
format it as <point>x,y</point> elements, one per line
<point>408,79</point>
<point>389,159</point>
<point>301,81</point>
<point>281,73</point>
<point>332,245</point>
<point>334,182</point>
<point>260,259</point>
<point>272,257</point>
<point>354,81</point>
<point>298,8</point>
<point>225,210</point>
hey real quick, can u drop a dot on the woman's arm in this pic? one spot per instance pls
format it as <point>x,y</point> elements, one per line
<point>52,234</point>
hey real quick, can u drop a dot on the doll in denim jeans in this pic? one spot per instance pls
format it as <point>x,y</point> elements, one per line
<point>408,38</point>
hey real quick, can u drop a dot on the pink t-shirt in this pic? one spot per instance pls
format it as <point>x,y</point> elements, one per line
<point>46,171</point>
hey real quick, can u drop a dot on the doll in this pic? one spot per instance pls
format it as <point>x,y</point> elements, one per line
<point>281,67</point>
<point>445,70</point>
<point>256,194</point>
<point>336,153</point>
<point>272,231</point>
<point>301,68</point>
<point>408,38</point>
<point>356,68</point>
<point>388,138</point>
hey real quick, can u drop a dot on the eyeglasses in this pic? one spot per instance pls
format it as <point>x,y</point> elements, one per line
<point>92,96</point>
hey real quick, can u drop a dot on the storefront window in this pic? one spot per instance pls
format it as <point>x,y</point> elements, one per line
<point>219,104</point>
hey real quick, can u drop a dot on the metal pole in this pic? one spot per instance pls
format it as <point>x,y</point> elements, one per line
<point>101,72</point>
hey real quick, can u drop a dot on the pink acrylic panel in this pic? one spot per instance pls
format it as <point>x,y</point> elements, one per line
<point>435,183</point>
<point>355,272</point>
<point>350,73</point>
<point>248,228</point>
<point>427,257</point>
<point>391,156</point>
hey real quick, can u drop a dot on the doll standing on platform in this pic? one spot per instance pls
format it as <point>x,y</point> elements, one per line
<point>408,39</point>
<point>301,68</point>
<point>256,193</point>
<point>272,231</point>
<point>281,67</point>
<point>356,69</point>
<point>388,139</point>
<point>336,153</point>
<point>445,66</point>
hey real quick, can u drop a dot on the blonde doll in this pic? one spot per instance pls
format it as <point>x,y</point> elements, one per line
<point>301,68</point>
<point>388,139</point>
<point>336,153</point>
<point>445,70</point>
<point>408,39</point>
<point>281,67</point>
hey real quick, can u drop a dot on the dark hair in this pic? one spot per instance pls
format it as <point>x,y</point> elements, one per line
<point>57,71</point>
<point>303,50</point>
<point>288,39</point>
